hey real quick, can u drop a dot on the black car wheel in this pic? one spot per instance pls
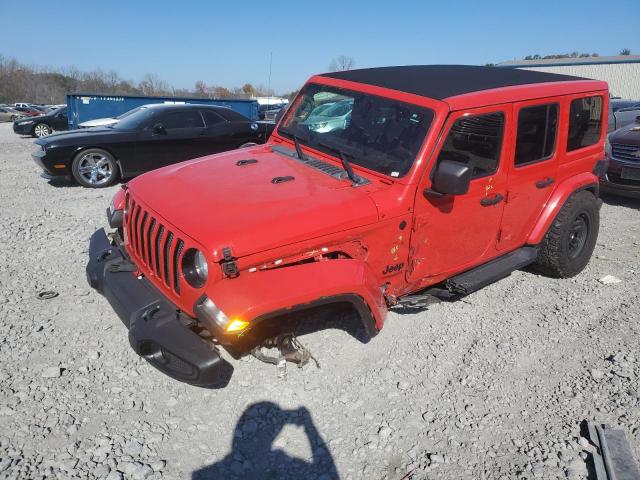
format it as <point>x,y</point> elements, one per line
<point>569,243</point>
<point>94,168</point>
<point>41,130</point>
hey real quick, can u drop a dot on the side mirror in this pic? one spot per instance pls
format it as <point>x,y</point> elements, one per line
<point>450,178</point>
<point>158,129</point>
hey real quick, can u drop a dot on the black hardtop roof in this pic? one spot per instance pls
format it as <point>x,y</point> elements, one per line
<point>443,81</point>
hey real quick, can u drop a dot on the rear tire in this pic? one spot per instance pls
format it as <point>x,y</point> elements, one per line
<point>41,130</point>
<point>569,242</point>
<point>94,168</point>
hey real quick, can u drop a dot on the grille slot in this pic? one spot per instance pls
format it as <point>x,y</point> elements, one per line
<point>157,250</point>
<point>167,249</point>
<point>152,225</point>
<point>143,247</point>
<point>176,266</point>
<point>626,152</point>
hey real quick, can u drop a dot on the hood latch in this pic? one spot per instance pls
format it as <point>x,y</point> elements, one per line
<point>229,266</point>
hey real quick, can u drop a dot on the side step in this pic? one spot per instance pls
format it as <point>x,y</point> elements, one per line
<point>476,278</point>
<point>613,459</point>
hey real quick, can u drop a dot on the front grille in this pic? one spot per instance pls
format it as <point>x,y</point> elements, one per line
<point>154,245</point>
<point>626,152</point>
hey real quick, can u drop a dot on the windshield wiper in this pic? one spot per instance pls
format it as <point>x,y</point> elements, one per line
<point>296,141</point>
<point>345,163</point>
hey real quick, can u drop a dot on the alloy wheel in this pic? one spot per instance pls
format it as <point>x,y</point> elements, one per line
<point>42,130</point>
<point>95,168</point>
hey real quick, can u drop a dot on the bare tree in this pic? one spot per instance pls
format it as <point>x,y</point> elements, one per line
<point>342,63</point>
<point>152,85</point>
<point>625,51</point>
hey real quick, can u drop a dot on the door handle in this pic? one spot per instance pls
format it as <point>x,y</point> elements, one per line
<point>487,201</point>
<point>544,183</point>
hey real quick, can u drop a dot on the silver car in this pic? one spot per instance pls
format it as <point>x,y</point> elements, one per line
<point>8,114</point>
<point>325,118</point>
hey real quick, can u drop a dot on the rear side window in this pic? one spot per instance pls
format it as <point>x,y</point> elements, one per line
<point>212,117</point>
<point>475,140</point>
<point>186,119</point>
<point>536,137</point>
<point>585,122</point>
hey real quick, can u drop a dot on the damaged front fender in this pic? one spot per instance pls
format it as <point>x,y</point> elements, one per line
<point>265,294</point>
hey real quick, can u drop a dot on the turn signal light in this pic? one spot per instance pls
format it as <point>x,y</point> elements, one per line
<point>236,326</point>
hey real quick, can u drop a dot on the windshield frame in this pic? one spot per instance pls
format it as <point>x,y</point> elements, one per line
<point>439,111</point>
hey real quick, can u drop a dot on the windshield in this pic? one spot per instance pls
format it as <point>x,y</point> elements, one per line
<point>377,133</point>
<point>135,120</point>
<point>127,113</point>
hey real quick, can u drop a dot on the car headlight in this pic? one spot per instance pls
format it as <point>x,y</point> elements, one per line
<point>195,268</point>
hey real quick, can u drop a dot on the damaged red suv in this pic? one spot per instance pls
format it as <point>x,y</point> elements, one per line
<point>379,188</point>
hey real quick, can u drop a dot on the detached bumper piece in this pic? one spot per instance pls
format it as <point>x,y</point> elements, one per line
<point>155,330</point>
<point>613,459</point>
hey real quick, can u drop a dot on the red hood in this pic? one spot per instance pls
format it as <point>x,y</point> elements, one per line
<point>218,203</point>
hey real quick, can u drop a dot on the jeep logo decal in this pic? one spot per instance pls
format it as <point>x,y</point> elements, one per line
<point>392,268</point>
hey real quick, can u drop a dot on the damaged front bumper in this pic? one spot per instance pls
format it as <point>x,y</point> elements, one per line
<point>156,332</point>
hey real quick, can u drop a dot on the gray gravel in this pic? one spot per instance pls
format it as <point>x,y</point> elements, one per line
<point>494,386</point>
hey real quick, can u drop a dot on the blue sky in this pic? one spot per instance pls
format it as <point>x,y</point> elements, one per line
<point>228,43</point>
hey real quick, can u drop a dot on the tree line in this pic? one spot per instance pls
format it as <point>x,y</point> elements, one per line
<point>24,83</point>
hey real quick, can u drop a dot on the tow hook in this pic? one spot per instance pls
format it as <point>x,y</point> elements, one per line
<point>290,349</point>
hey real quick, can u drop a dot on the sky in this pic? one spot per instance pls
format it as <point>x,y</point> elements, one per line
<point>230,43</point>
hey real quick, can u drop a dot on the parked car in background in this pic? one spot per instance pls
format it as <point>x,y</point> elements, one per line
<point>9,114</point>
<point>28,111</point>
<point>152,137</point>
<point>43,125</point>
<point>326,119</point>
<point>622,113</point>
<point>103,122</point>
<point>622,152</point>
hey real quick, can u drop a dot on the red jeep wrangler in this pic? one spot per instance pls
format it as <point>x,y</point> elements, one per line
<point>380,187</point>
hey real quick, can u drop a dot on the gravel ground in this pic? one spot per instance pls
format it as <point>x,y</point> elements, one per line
<point>494,386</point>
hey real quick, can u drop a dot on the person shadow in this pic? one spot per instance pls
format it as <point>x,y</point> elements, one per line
<point>253,456</point>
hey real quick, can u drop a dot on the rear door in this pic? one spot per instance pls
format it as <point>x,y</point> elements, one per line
<point>533,168</point>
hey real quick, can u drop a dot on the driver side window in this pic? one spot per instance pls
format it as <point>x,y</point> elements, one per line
<point>475,140</point>
<point>185,119</point>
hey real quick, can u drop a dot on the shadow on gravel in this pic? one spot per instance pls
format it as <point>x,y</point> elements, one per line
<point>617,201</point>
<point>253,455</point>
<point>62,183</point>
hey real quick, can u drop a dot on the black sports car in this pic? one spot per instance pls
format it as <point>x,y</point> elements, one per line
<point>154,136</point>
<point>42,125</point>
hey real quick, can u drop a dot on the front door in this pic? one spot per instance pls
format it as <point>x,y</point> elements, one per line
<point>454,233</point>
<point>180,139</point>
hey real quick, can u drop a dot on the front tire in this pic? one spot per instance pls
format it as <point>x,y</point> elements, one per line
<point>94,168</point>
<point>41,130</point>
<point>569,243</point>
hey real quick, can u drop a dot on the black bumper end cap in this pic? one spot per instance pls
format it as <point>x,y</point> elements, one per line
<point>156,332</point>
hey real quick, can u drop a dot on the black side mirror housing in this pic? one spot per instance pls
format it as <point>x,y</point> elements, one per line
<point>451,178</point>
<point>158,129</point>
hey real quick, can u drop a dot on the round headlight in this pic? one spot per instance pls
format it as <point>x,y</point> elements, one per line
<point>195,268</point>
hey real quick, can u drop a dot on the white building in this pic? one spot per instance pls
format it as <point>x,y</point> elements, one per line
<point>621,72</point>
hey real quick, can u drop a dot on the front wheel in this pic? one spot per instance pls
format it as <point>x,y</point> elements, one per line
<point>94,168</point>
<point>41,130</point>
<point>569,243</point>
